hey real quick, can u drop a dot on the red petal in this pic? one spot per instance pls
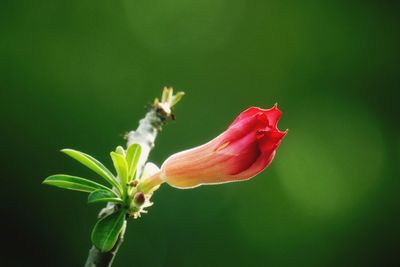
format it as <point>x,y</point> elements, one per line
<point>244,127</point>
<point>247,113</point>
<point>245,160</point>
<point>271,140</point>
<point>273,114</point>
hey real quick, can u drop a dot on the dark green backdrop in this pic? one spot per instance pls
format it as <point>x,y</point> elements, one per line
<point>78,74</point>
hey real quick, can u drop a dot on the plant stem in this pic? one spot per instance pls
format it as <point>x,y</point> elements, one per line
<point>144,135</point>
<point>96,258</point>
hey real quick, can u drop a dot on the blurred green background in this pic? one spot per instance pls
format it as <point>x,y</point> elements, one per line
<point>79,74</point>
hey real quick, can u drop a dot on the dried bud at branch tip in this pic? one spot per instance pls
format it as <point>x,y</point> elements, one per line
<point>168,100</point>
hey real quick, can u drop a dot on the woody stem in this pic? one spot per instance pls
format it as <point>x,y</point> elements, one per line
<point>144,135</point>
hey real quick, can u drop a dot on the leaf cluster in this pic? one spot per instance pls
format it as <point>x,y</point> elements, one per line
<point>105,232</point>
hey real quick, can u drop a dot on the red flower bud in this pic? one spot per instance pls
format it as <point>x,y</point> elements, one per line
<point>242,151</point>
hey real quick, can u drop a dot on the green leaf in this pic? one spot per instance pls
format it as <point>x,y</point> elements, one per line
<point>166,94</point>
<point>94,165</point>
<point>132,157</point>
<point>73,183</point>
<point>103,196</point>
<point>121,167</point>
<point>105,232</point>
<point>120,150</point>
<point>176,98</point>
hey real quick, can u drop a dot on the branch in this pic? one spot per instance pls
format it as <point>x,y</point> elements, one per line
<point>144,135</point>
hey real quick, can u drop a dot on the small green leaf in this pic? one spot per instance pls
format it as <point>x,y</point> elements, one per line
<point>121,167</point>
<point>103,196</point>
<point>73,183</point>
<point>94,165</point>
<point>166,94</point>
<point>176,98</point>
<point>120,150</point>
<point>105,232</point>
<point>132,157</point>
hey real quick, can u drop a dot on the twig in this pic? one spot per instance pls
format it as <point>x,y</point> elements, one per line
<point>144,135</point>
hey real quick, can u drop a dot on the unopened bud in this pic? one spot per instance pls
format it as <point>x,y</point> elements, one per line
<point>245,149</point>
<point>139,198</point>
<point>134,183</point>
